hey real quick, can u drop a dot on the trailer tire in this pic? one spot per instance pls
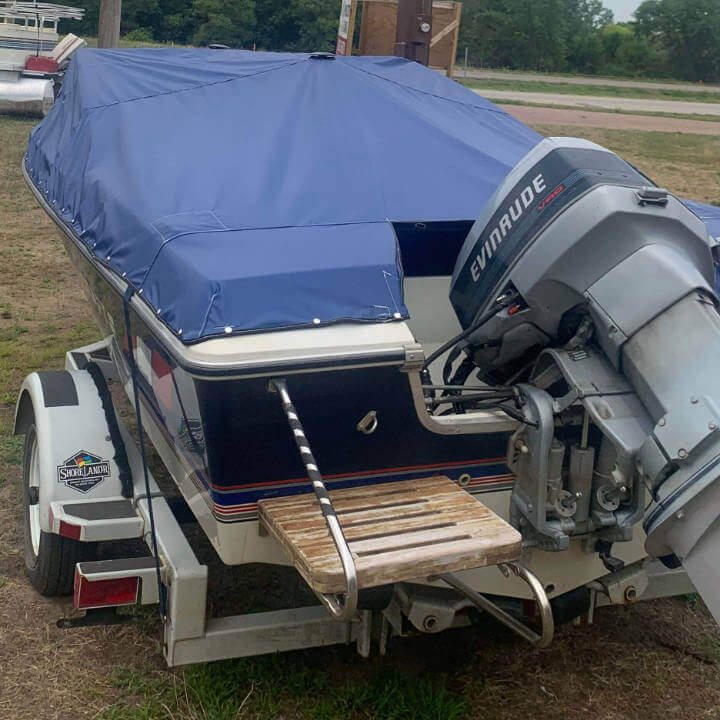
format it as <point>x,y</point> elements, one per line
<point>49,559</point>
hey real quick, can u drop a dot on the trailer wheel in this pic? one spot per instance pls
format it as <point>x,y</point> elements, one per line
<point>49,559</point>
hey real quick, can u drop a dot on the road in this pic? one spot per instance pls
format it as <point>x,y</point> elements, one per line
<point>605,103</point>
<point>610,121</point>
<point>582,80</point>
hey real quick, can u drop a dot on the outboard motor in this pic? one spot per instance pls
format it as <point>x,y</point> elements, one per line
<point>607,322</point>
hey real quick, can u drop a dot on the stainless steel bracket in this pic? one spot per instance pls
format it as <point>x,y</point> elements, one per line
<point>545,637</point>
<point>473,422</point>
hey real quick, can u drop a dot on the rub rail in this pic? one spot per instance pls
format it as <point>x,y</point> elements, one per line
<point>340,609</point>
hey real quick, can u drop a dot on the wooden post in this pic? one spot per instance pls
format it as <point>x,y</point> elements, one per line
<point>453,51</point>
<point>109,23</point>
<point>351,26</point>
<point>346,28</point>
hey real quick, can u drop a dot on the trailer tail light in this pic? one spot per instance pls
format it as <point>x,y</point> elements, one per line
<point>69,531</point>
<point>105,593</point>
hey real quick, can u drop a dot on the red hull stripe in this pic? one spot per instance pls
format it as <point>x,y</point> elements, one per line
<point>364,473</point>
<point>252,507</point>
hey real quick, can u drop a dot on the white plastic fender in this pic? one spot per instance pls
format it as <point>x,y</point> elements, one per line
<point>75,451</point>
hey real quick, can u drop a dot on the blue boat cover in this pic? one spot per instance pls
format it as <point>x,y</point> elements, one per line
<point>241,191</point>
<point>244,191</point>
<point>709,214</point>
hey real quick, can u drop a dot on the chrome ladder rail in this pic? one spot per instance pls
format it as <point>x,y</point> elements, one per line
<point>542,640</point>
<point>340,609</point>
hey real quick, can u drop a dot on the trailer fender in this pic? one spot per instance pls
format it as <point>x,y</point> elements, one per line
<point>78,460</point>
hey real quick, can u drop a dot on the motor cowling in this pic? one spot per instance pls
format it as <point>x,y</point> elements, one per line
<point>612,311</point>
<point>562,219</point>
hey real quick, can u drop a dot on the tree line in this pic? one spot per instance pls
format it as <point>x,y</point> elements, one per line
<point>667,38</point>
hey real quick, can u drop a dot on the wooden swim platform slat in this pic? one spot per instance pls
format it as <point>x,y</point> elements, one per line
<point>396,531</point>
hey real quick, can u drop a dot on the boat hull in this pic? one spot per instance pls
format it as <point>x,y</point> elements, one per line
<point>226,444</point>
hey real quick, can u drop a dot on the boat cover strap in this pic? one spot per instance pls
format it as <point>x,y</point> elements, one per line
<point>130,354</point>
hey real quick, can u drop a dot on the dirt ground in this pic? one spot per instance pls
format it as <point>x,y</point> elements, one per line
<point>650,660</point>
<point>641,105</point>
<point>532,115</point>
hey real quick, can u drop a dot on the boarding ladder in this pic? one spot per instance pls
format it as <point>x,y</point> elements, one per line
<point>345,540</point>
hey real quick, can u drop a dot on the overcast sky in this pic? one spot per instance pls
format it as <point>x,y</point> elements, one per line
<point>623,9</point>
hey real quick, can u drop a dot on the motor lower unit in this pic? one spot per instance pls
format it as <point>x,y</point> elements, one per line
<point>607,325</point>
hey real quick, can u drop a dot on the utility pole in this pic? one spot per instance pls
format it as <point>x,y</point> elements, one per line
<point>414,30</point>
<point>109,23</point>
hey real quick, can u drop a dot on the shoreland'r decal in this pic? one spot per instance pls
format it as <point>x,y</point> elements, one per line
<point>83,471</point>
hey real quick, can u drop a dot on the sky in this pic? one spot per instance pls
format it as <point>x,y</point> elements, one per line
<point>623,9</point>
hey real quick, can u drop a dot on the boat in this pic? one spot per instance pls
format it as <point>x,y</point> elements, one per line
<point>32,56</point>
<point>285,253</point>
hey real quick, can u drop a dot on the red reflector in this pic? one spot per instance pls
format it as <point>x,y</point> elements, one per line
<point>70,531</point>
<point>513,309</point>
<point>41,63</point>
<point>105,593</point>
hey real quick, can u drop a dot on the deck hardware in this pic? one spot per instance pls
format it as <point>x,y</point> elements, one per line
<point>652,196</point>
<point>346,608</point>
<point>368,425</point>
<point>540,641</point>
<point>604,548</point>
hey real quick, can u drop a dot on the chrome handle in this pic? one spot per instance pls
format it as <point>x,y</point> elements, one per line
<point>546,617</point>
<point>339,609</point>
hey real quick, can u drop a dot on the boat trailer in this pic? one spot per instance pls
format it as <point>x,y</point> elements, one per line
<point>341,542</point>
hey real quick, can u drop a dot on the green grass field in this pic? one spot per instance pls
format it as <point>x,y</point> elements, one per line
<point>539,86</point>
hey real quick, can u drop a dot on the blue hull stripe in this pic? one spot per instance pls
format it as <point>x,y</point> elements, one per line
<point>485,475</point>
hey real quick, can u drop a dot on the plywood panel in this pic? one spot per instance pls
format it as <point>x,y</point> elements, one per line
<point>378,26</point>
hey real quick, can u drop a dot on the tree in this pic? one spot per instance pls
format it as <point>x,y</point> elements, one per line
<point>230,22</point>
<point>297,25</point>
<point>680,38</point>
<point>539,36</point>
<point>690,32</point>
<point>585,21</point>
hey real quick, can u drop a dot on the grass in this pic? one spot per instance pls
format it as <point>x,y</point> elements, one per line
<point>538,86</point>
<point>124,44</point>
<point>11,449</point>
<point>271,686</point>
<point>540,75</point>
<point>631,664</point>
<point>30,276</point>
<point>687,165</point>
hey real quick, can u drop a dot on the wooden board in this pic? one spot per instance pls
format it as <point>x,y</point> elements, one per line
<point>396,531</point>
<point>378,26</point>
